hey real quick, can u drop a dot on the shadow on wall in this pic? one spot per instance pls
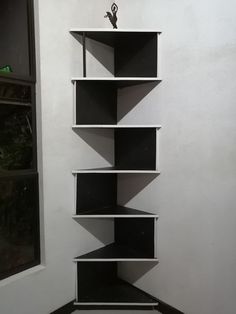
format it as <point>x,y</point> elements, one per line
<point>101,229</point>
<point>131,96</point>
<point>102,141</point>
<point>99,51</point>
<point>134,271</point>
<point>129,185</point>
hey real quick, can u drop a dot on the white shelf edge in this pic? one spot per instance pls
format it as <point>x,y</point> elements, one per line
<point>115,260</point>
<point>110,30</point>
<point>116,79</point>
<point>115,216</point>
<point>115,126</point>
<point>117,303</point>
<point>115,171</point>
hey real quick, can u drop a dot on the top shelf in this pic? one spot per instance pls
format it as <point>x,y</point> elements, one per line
<point>111,30</point>
<point>109,36</point>
<point>135,51</point>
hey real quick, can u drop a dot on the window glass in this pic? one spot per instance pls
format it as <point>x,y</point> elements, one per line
<point>19,242</point>
<point>16,151</point>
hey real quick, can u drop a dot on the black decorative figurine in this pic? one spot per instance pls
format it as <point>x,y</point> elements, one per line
<point>113,17</point>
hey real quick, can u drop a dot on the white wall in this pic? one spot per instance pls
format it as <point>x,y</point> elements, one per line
<point>195,193</point>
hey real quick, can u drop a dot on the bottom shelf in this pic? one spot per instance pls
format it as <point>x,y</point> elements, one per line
<point>98,284</point>
<point>118,292</point>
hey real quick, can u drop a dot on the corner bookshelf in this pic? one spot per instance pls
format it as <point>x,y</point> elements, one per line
<point>136,151</point>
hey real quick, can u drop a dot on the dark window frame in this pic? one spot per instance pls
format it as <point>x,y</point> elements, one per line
<point>31,45</point>
<point>29,80</point>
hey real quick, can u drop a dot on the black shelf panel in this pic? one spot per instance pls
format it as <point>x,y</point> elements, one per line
<point>114,251</point>
<point>136,55</point>
<point>96,191</point>
<point>135,148</point>
<point>138,234</point>
<point>98,283</point>
<point>114,211</point>
<point>96,102</point>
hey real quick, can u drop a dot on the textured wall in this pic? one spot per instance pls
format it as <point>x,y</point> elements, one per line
<point>195,193</point>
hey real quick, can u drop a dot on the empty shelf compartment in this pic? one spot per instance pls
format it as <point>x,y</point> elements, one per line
<point>135,238</point>
<point>98,284</point>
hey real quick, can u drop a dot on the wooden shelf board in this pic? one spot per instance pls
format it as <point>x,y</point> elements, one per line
<point>113,170</point>
<point>110,30</point>
<point>119,82</point>
<point>117,260</point>
<point>116,304</point>
<point>115,126</point>
<point>116,79</point>
<point>114,252</point>
<point>115,212</point>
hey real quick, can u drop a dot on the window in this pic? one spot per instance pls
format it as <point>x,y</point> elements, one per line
<point>19,201</point>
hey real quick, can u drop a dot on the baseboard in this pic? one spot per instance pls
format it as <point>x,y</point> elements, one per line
<point>163,308</point>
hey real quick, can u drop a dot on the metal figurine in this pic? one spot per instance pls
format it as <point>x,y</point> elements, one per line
<point>113,17</point>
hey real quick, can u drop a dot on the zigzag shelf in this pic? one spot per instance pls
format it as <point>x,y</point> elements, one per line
<point>96,102</point>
